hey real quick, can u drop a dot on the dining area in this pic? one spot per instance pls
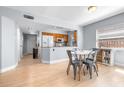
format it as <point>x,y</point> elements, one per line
<point>82,62</point>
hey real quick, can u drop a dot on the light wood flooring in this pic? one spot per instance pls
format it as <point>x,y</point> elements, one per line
<point>30,72</point>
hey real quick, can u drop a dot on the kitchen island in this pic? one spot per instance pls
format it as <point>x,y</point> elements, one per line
<point>51,55</point>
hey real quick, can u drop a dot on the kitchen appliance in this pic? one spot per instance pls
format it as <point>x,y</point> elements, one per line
<point>60,39</point>
<point>60,44</point>
<point>48,41</point>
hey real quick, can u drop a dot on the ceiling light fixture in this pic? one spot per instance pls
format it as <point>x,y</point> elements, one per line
<point>92,8</point>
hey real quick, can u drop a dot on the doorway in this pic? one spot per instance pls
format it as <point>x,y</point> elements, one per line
<point>29,42</point>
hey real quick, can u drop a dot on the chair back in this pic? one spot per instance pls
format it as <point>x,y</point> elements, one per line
<point>75,49</point>
<point>69,55</point>
<point>75,56</point>
<point>93,54</point>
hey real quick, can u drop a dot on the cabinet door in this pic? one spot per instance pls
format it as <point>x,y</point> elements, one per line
<point>65,38</point>
<point>99,56</point>
<point>60,35</point>
<point>75,35</point>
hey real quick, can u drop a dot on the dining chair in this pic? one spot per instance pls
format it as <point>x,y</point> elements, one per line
<point>75,49</point>
<point>90,62</point>
<point>73,61</point>
<point>95,59</point>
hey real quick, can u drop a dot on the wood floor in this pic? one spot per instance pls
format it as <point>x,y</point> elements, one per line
<point>31,72</point>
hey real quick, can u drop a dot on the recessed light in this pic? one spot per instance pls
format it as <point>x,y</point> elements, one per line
<point>92,8</point>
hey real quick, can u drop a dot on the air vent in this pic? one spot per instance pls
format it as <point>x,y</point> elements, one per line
<point>61,28</point>
<point>28,17</point>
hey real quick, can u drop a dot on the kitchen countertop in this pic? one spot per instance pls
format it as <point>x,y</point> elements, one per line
<point>59,47</point>
<point>112,48</point>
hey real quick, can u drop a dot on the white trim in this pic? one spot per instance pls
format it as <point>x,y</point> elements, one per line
<point>8,68</point>
<point>118,64</point>
<point>55,61</point>
<point>45,62</point>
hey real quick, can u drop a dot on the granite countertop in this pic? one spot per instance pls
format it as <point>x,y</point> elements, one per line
<point>58,47</point>
<point>112,48</point>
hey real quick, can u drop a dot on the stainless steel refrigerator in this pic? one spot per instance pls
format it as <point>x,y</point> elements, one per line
<point>48,41</point>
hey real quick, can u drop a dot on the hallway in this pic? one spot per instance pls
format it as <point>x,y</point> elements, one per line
<point>28,60</point>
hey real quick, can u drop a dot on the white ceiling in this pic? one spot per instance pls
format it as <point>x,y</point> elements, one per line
<point>77,15</point>
<point>63,18</point>
<point>31,27</point>
<point>40,23</point>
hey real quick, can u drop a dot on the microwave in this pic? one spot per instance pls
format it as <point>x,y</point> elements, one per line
<point>60,40</point>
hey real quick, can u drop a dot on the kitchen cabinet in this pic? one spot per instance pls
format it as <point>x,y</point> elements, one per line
<point>75,36</point>
<point>56,35</point>
<point>65,38</point>
<point>99,57</point>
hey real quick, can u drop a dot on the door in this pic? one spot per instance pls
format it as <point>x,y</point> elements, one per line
<point>30,42</point>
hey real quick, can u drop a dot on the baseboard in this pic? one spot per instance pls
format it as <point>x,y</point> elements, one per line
<point>55,61</point>
<point>117,64</point>
<point>8,68</point>
<point>45,62</point>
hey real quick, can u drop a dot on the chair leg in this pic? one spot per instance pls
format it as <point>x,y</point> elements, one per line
<point>68,68</point>
<point>75,70</point>
<point>79,71</point>
<point>87,67</point>
<point>84,70</point>
<point>95,68</point>
<point>90,71</point>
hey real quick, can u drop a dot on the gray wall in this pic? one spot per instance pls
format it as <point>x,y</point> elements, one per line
<point>80,38</point>
<point>90,30</point>
<point>0,42</point>
<point>8,43</point>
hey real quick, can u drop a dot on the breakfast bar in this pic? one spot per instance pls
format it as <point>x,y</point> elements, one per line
<point>51,55</point>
